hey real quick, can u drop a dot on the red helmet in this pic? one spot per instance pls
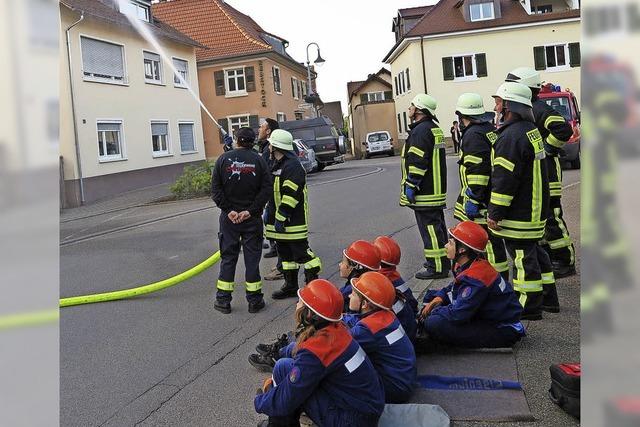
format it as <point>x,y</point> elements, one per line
<point>323,299</point>
<point>376,288</point>
<point>389,250</point>
<point>470,234</point>
<point>363,253</point>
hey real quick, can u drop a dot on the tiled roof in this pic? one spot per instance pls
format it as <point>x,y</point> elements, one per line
<point>224,30</point>
<point>353,87</point>
<point>446,17</point>
<point>414,11</point>
<point>107,10</point>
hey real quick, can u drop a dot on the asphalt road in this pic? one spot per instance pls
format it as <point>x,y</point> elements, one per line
<point>170,359</point>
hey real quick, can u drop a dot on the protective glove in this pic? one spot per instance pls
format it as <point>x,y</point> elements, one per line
<point>228,142</point>
<point>551,150</point>
<point>279,226</point>
<point>471,209</point>
<point>265,214</point>
<point>410,193</point>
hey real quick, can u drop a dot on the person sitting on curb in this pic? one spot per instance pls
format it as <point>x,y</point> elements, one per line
<point>379,332</point>
<point>360,257</point>
<point>479,309</point>
<point>325,372</point>
<point>406,305</point>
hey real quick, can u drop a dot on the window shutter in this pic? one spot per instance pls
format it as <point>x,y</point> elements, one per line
<point>403,88</point>
<point>218,76</point>
<point>102,58</point>
<point>396,80</point>
<point>187,142</point>
<point>225,125</point>
<point>388,95</point>
<point>364,99</point>
<point>481,65</point>
<point>273,74</point>
<point>293,87</point>
<point>151,56</point>
<point>159,129</point>
<point>408,80</point>
<point>250,75</point>
<point>574,54</point>
<point>399,124</point>
<point>447,68</point>
<point>284,117</point>
<point>540,58</point>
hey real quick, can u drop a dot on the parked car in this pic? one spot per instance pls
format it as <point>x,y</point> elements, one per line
<point>379,142</point>
<point>306,156</point>
<point>565,103</point>
<point>320,135</point>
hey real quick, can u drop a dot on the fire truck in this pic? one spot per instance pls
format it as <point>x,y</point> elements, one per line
<point>565,103</point>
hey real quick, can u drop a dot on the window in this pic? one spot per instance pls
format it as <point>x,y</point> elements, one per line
<point>135,9</point>
<point>561,104</point>
<point>298,115</point>
<point>187,140</point>
<point>182,67</point>
<point>277,86</point>
<point>556,56</point>
<point>375,96</point>
<point>406,126</point>
<point>235,81</point>
<point>238,122</point>
<point>481,11</point>
<point>102,61</point>
<point>399,124</point>
<point>408,80</point>
<point>464,67</point>
<point>281,117</point>
<point>152,67</point>
<point>110,140</point>
<point>397,86</point>
<point>294,88</point>
<point>160,138</point>
<point>304,89</point>
<point>547,8</point>
<point>403,88</point>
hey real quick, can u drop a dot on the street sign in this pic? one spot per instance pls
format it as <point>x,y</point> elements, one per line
<point>304,106</point>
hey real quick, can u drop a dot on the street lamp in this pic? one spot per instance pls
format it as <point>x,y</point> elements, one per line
<point>319,61</point>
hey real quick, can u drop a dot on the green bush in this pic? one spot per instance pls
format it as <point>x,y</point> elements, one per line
<point>195,181</point>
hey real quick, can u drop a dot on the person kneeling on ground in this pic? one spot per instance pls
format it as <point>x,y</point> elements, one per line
<point>325,372</point>
<point>379,332</point>
<point>406,305</point>
<point>479,309</point>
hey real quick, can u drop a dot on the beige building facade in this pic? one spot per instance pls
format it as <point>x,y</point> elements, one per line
<point>447,64</point>
<point>137,124</point>
<point>371,109</point>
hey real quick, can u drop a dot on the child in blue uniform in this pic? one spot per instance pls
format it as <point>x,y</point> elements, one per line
<point>406,305</point>
<point>479,309</point>
<point>361,256</point>
<point>326,373</point>
<point>379,333</point>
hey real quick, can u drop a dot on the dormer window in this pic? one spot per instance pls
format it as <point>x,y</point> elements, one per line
<point>481,11</point>
<point>135,9</point>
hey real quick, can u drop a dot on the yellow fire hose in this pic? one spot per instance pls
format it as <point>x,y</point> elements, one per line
<point>142,290</point>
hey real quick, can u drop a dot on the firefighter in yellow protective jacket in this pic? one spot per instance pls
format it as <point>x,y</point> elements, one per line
<point>556,132</point>
<point>424,184</point>
<point>519,198</point>
<point>287,216</point>
<point>476,149</point>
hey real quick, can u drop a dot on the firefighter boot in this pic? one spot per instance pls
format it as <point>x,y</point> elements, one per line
<point>561,270</point>
<point>273,348</point>
<point>550,301</point>
<point>532,308</point>
<point>311,274</point>
<point>290,287</point>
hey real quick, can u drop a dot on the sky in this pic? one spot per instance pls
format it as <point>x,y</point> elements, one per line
<point>354,35</point>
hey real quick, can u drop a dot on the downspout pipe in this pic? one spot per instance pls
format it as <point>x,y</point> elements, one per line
<point>424,69</point>
<point>73,108</point>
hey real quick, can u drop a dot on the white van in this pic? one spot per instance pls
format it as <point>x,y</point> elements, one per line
<point>379,142</point>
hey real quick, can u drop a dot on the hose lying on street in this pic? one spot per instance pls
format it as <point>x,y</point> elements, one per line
<point>142,290</point>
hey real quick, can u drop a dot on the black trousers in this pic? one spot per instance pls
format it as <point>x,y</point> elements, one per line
<point>297,253</point>
<point>497,253</point>
<point>532,267</point>
<point>558,243</point>
<point>247,235</point>
<point>433,231</point>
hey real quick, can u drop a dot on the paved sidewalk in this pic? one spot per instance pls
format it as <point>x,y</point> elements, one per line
<point>129,199</point>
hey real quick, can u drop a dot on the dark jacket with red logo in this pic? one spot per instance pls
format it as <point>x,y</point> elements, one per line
<point>478,292</point>
<point>406,310</point>
<point>241,181</point>
<point>384,340</point>
<point>333,371</point>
